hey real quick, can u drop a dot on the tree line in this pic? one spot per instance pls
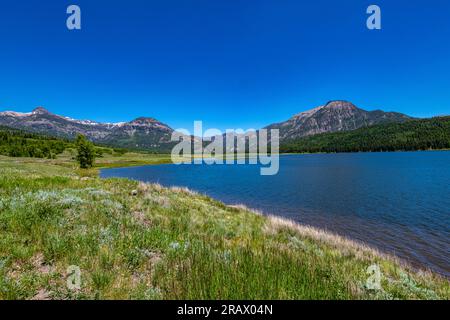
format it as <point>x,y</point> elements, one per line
<point>16,143</point>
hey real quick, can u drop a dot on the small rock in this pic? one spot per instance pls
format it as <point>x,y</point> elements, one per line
<point>134,193</point>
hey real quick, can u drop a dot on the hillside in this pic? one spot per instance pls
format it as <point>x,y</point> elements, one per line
<point>139,241</point>
<point>335,116</point>
<point>424,134</point>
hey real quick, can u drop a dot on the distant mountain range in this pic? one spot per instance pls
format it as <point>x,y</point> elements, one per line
<point>141,133</point>
<point>151,134</point>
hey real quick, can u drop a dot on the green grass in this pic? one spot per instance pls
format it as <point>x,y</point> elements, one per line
<point>171,244</point>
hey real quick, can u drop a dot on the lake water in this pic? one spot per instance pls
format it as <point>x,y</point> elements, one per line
<point>397,202</point>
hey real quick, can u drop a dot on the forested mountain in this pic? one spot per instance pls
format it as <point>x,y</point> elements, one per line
<point>423,134</point>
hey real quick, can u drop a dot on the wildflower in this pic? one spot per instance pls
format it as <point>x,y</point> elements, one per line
<point>175,245</point>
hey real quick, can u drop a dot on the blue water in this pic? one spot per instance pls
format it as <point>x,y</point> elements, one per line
<point>397,202</point>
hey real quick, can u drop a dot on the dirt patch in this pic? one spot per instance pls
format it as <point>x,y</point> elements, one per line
<point>42,295</point>
<point>141,218</point>
<point>38,263</point>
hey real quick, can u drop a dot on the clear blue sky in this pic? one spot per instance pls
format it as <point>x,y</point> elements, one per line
<point>232,64</point>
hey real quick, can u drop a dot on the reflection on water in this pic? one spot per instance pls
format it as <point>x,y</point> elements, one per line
<point>398,202</point>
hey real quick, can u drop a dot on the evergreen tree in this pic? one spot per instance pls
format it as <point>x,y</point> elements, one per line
<point>86,152</point>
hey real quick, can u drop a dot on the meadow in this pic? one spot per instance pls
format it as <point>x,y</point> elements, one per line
<point>132,240</point>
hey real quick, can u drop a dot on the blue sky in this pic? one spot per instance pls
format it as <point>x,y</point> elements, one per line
<point>231,63</point>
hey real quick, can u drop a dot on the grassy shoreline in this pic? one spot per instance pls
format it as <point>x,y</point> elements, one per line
<point>141,241</point>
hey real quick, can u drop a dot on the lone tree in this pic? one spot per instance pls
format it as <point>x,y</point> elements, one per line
<point>86,152</point>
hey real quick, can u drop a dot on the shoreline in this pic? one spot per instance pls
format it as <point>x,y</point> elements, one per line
<point>167,160</point>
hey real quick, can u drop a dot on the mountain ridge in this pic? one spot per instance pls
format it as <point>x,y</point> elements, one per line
<point>140,133</point>
<point>148,133</point>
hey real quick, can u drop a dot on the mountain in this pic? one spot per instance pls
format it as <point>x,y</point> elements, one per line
<point>141,133</point>
<point>333,117</point>
<point>417,134</point>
